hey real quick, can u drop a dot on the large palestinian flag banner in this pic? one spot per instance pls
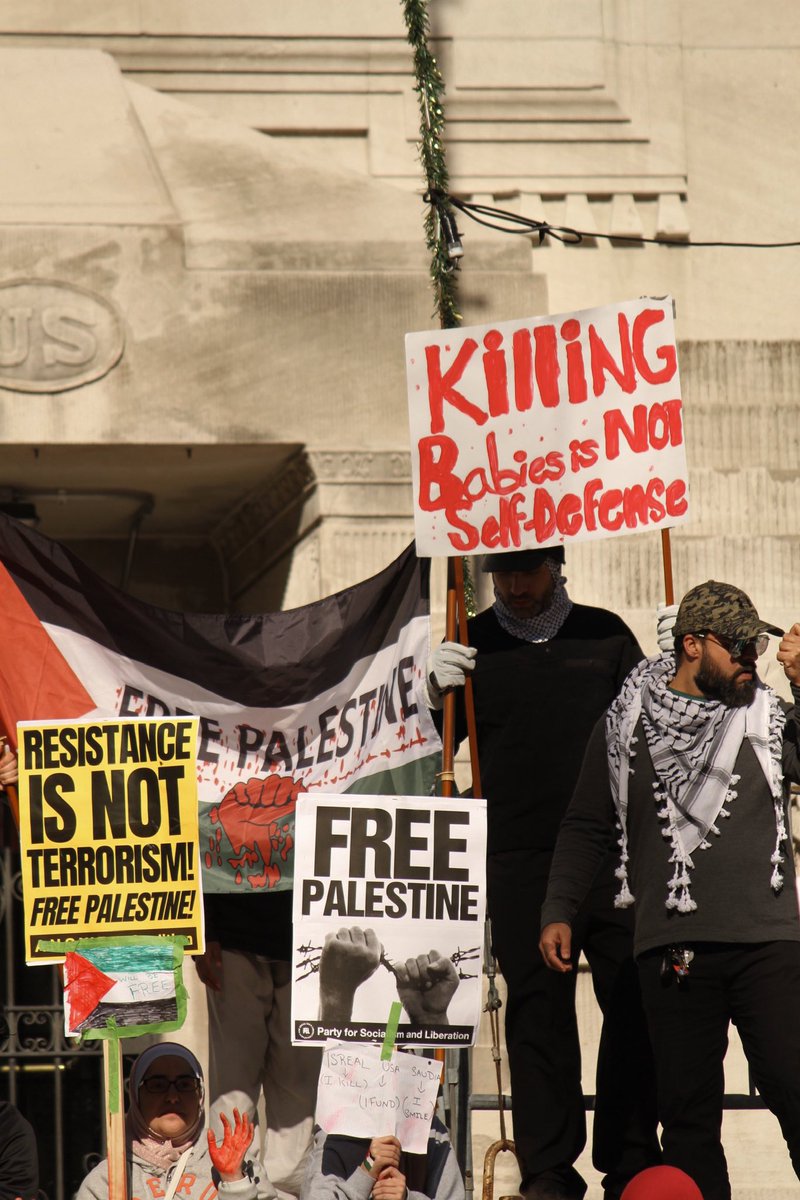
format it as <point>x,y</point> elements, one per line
<point>324,697</point>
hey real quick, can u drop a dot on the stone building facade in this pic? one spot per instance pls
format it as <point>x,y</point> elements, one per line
<point>236,187</point>
<point>211,248</point>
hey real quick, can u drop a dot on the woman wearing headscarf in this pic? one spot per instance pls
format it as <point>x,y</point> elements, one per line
<point>168,1150</point>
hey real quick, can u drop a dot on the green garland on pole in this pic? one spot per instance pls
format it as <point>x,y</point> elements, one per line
<point>430,89</point>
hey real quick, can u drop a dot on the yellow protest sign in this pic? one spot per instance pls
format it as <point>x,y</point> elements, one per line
<point>108,831</point>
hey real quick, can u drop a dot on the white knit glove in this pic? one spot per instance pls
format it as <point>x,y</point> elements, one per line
<point>448,666</point>
<point>666,616</point>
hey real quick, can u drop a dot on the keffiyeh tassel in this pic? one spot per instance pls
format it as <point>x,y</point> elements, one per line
<point>775,738</point>
<point>624,897</point>
<point>679,895</point>
<point>776,880</point>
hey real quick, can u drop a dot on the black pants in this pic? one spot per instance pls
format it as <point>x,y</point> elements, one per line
<point>757,986</point>
<point>542,1034</point>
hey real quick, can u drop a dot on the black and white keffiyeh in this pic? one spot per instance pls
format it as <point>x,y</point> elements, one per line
<point>547,624</point>
<point>693,746</point>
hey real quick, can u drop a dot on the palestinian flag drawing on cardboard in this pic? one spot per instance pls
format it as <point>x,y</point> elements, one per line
<point>122,987</point>
<point>321,697</point>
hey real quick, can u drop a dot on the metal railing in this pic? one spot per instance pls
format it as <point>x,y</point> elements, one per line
<point>56,1083</point>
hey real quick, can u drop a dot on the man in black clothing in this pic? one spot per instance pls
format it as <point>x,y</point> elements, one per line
<point>19,1162</point>
<point>544,671</point>
<point>706,854</point>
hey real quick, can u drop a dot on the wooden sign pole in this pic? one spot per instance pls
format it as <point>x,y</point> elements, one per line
<point>449,723</point>
<point>115,1120</point>
<point>666,555</point>
<point>469,700</point>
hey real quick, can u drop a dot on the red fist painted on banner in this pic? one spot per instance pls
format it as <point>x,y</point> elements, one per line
<point>256,818</point>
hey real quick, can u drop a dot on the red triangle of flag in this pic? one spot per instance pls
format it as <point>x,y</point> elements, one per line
<point>84,986</point>
<point>36,681</point>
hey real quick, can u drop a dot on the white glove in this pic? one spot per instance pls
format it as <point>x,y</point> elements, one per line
<point>666,616</point>
<point>448,666</point>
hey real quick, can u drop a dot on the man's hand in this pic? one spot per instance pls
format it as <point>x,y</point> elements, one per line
<point>384,1152</point>
<point>555,945</point>
<point>390,1186</point>
<point>8,766</point>
<point>349,958</point>
<point>209,966</point>
<point>789,655</point>
<point>447,666</point>
<point>426,985</point>
<point>229,1156</point>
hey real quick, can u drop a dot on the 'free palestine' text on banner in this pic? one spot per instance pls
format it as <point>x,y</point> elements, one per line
<point>388,906</point>
<point>108,831</point>
<point>546,430</point>
<point>320,697</point>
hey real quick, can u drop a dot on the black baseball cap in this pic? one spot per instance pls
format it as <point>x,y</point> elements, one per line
<point>522,560</point>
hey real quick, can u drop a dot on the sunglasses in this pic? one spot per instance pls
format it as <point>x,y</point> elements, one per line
<point>159,1085</point>
<point>737,646</point>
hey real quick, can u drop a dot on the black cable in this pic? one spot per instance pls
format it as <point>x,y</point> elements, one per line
<point>573,237</point>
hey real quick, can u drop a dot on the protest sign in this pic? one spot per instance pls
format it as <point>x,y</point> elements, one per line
<point>320,697</point>
<point>389,905</point>
<point>108,831</point>
<point>122,986</point>
<point>361,1094</point>
<point>546,430</point>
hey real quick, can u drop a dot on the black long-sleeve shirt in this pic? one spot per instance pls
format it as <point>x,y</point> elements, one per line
<point>730,882</point>
<point>535,706</point>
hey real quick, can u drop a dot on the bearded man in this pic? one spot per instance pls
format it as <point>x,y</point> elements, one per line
<point>692,765</point>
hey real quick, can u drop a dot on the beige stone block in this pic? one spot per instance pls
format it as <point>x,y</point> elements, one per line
<point>77,150</point>
<point>468,18</point>
<point>391,151</point>
<point>351,552</point>
<point>540,128</point>
<point>273,80</point>
<point>488,62</point>
<point>734,24</point>
<point>77,17</point>
<point>578,215</point>
<point>672,220</point>
<point>276,59</point>
<point>253,17</point>
<point>625,219</point>
<point>276,113</point>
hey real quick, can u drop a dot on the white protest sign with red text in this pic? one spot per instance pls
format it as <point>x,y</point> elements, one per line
<point>546,430</point>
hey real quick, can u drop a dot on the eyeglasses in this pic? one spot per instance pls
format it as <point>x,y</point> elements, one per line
<point>159,1085</point>
<point>737,646</point>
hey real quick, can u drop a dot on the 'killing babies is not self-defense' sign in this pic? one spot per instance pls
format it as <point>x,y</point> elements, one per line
<point>546,430</point>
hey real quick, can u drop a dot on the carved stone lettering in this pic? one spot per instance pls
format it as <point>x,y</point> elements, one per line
<point>55,336</point>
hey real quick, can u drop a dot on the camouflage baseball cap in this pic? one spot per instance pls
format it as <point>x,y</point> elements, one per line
<point>720,608</point>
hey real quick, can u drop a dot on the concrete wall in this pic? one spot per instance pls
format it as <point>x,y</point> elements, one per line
<point>274,164</point>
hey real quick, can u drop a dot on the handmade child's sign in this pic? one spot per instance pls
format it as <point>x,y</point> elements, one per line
<point>362,1094</point>
<point>123,987</point>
